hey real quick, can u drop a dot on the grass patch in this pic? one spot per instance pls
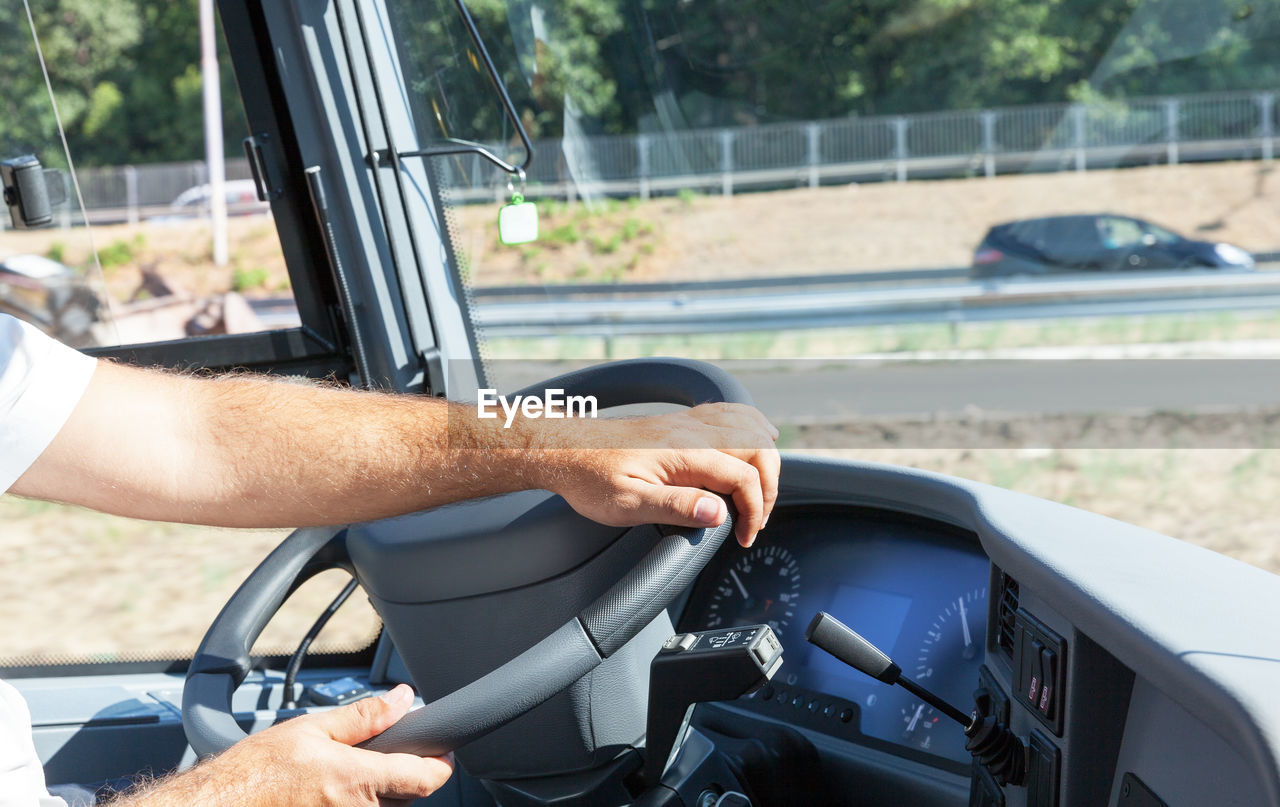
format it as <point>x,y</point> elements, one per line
<point>243,280</point>
<point>604,240</point>
<point>120,252</point>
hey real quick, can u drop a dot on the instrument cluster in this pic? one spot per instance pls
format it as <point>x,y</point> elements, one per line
<point>915,588</point>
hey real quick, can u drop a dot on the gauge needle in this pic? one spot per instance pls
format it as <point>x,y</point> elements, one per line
<point>915,718</point>
<point>743,588</point>
<point>964,623</point>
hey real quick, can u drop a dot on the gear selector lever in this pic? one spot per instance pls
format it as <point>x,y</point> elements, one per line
<point>714,665</point>
<point>990,742</point>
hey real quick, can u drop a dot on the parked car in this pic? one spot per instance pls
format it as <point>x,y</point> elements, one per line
<point>49,295</point>
<point>242,199</point>
<point>1095,242</point>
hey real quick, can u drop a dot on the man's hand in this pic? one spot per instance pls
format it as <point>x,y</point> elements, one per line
<point>658,469</point>
<point>308,761</point>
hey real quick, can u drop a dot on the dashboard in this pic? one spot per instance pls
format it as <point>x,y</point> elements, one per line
<point>915,588</point>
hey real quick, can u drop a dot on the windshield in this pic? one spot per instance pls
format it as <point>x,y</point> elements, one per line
<point>938,234</point>
<point>917,232</point>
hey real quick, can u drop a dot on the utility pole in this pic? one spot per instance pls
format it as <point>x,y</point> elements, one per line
<point>213,132</point>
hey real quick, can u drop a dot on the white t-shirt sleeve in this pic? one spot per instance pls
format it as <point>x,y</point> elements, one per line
<point>21,777</point>
<point>41,381</point>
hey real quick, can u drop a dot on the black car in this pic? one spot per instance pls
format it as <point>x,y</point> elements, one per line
<point>1095,242</point>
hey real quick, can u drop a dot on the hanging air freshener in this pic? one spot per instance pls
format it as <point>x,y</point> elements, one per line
<point>518,219</point>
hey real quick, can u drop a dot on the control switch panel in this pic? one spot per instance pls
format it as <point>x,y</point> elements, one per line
<point>1040,658</point>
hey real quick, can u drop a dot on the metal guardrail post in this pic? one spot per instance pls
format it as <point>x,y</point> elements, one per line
<point>900,148</point>
<point>1171,129</point>
<point>1266,130</point>
<point>131,192</point>
<point>1078,122</point>
<point>813,134</point>
<point>642,164</point>
<point>726,161</point>
<point>988,143</point>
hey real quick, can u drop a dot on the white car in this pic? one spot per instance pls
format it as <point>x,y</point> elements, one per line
<point>241,194</point>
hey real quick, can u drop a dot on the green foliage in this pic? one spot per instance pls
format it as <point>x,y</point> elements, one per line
<point>604,245</point>
<point>564,234</point>
<point>125,75</point>
<point>127,78</point>
<point>117,253</point>
<point>57,251</point>
<point>245,279</point>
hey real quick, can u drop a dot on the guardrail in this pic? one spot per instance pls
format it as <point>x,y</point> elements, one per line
<point>979,142</point>
<point>563,313</point>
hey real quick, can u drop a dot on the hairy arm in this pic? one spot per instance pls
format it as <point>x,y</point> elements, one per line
<point>246,451</point>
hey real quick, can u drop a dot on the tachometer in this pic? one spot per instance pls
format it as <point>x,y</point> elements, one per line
<point>762,586</point>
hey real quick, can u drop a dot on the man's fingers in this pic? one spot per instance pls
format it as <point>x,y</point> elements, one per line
<point>723,473</point>
<point>751,448</point>
<point>405,776</point>
<point>357,722</point>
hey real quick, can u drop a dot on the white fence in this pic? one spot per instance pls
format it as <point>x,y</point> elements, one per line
<point>1049,137</point>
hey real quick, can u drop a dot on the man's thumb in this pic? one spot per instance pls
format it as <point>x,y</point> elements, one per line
<point>357,722</point>
<point>686,507</point>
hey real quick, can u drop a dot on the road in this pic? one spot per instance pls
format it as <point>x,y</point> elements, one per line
<point>822,391</point>
<point>1050,387</point>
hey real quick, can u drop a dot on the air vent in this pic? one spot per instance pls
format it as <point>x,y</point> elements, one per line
<point>1006,609</point>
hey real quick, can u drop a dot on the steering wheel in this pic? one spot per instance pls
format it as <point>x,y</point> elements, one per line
<point>551,665</point>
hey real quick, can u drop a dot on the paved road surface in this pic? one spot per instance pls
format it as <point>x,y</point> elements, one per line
<point>908,389</point>
<point>817,390</point>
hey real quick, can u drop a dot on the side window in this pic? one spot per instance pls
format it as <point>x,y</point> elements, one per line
<point>1070,237</point>
<point>135,263</point>
<point>1118,233</point>
<point>133,251</point>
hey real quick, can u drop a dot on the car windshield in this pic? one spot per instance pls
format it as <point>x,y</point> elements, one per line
<point>810,188</point>
<point>887,219</point>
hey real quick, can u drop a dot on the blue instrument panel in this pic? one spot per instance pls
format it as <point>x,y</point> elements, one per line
<point>915,588</point>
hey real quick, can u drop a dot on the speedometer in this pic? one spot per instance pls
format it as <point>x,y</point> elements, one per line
<point>762,586</point>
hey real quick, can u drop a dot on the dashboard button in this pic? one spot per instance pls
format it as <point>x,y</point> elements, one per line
<point>1049,669</point>
<point>846,715</point>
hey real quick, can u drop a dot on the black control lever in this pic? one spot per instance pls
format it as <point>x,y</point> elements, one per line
<point>990,742</point>
<point>714,665</point>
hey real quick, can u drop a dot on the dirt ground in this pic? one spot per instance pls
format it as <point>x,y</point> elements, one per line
<point>831,229</point>
<point>888,225</point>
<point>82,585</point>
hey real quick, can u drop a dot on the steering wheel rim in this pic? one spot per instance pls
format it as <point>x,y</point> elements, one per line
<point>222,661</point>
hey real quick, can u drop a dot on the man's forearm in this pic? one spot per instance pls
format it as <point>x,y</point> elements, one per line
<point>250,451</point>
